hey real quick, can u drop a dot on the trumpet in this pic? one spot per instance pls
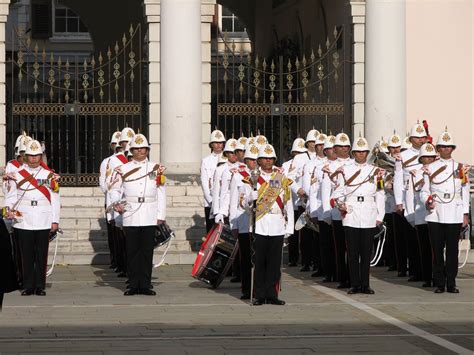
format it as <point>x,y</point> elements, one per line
<point>304,220</point>
<point>381,159</point>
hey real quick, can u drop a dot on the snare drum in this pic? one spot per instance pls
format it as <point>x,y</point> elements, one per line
<point>216,255</point>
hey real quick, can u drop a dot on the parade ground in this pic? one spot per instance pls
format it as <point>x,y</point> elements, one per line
<point>85,312</point>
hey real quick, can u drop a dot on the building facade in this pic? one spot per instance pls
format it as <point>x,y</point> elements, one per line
<point>74,71</point>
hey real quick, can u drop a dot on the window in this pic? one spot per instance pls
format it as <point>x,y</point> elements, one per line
<point>41,19</point>
<point>230,22</point>
<point>67,21</point>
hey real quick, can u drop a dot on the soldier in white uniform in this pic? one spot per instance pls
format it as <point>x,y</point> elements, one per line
<point>208,167</point>
<point>289,169</point>
<point>274,221</point>
<point>104,173</point>
<point>117,160</point>
<point>309,172</point>
<point>140,183</point>
<point>331,214</point>
<point>391,248</point>
<point>306,235</point>
<point>239,216</point>
<point>446,195</point>
<point>34,206</point>
<point>362,205</point>
<point>426,157</point>
<point>404,195</point>
<point>217,184</point>
<point>326,242</point>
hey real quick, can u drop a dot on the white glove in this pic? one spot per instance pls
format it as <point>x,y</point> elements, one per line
<point>219,218</point>
<point>286,240</point>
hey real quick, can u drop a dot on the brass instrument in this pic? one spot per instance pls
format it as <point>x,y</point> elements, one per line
<point>382,160</point>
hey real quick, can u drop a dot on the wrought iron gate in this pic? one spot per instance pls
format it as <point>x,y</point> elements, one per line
<point>73,103</point>
<point>281,98</point>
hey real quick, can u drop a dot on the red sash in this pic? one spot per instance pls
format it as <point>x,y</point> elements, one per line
<point>15,163</point>
<point>122,158</point>
<point>35,184</point>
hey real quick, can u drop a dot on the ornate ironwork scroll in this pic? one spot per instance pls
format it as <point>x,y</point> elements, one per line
<point>75,102</point>
<point>280,97</point>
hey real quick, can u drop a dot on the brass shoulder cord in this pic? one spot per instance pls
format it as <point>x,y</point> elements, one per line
<point>155,168</point>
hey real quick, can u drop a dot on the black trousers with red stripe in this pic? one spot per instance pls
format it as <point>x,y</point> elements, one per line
<point>34,253</point>
<point>359,247</point>
<point>267,265</point>
<point>426,253</point>
<point>245,261</point>
<point>342,271</point>
<point>328,257</point>
<point>400,242</point>
<point>443,235</point>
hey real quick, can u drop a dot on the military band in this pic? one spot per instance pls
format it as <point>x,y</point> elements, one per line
<point>341,193</point>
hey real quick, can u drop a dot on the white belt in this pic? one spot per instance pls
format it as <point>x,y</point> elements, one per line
<point>360,199</point>
<point>34,202</point>
<point>137,199</point>
<point>447,196</point>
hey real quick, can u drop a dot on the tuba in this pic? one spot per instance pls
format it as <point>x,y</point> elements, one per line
<point>382,160</point>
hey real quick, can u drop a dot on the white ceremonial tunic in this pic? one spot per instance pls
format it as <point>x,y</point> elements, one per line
<point>365,204</point>
<point>452,196</point>
<point>147,200</point>
<point>216,187</point>
<point>289,169</point>
<point>417,181</point>
<point>299,162</point>
<point>276,222</point>
<point>239,210</point>
<point>116,160</point>
<point>10,169</point>
<point>310,171</point>
<point>315,193</point>
<point>328,186</point>
<point>104,172</point>
<point>224,195</point>
<point>208,167</point>
<point>38,212</point>
<point>402,189</point>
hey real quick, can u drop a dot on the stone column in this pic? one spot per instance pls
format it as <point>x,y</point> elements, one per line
<point>3,136</point>
<point>385,102</point>
<point>358,80</point>
<point>181,86</point>
<point>152,13</point>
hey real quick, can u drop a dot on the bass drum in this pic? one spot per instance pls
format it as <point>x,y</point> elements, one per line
<point>216,256</point>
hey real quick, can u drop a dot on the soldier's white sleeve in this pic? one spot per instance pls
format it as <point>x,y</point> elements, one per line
<point>102,175</point>
<point>338,193</point>
<point>161,197</point>
<point>115,190</point>
<point>205,183</point>
<point>11,196</point>
<point>465,194</point>
<point>290,225</point>
<point>224,198</point>
<point>398,183</point>
<point>56,205</point>
<point>234,201</point>
<point>314,202</point>
<point>410,203</point>
<point>425,192</point>
<point>326,196</point>
<point>380,202</point>
<point>306,178</point>
<point>216,191</point>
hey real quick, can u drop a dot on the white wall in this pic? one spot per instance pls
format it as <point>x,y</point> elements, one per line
<point>440,69</point>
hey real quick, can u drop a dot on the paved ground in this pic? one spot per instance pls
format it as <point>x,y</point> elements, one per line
<point>85,312</point>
